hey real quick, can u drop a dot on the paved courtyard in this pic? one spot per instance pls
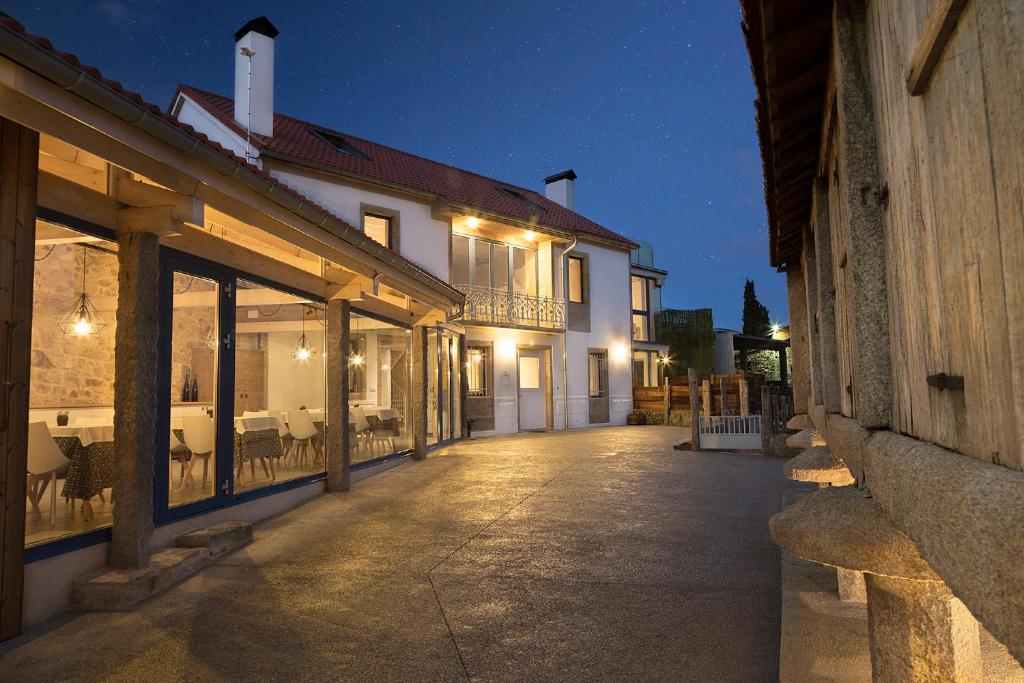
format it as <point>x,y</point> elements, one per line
<point>597,554</point>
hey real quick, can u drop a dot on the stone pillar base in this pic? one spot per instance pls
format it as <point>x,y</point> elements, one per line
<point>920,632</point>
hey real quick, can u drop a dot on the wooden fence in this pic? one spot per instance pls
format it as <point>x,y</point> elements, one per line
<point>716,392</point>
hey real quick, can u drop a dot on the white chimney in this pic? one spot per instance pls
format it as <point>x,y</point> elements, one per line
<point>254,76</point>
<point>558,188</point>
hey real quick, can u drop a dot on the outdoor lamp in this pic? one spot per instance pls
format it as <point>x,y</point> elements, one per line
<point>82,318</point>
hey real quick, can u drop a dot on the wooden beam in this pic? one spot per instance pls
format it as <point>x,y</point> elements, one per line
<point>62,195</point>
<point>93,178</point>
<point>935,34</point>
<point>135,193</point>
<point>158,220</point>
<point>373,304</point>
<point>195,241</point>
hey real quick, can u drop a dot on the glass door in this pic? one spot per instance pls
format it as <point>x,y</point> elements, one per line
<point>446,383</point>
<point>195,430</point>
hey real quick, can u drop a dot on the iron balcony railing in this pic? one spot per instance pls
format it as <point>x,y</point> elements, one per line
<point>510,309</point>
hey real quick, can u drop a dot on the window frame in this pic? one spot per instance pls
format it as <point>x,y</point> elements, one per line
<point>485,370</point>
<point>601,356</point>
<point>171,260</point>
<point>645,312</point>
<point>393,217</point>
<point>582,288</point>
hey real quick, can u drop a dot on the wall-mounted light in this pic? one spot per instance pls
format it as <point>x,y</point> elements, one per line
<point>620,353</point>
<point>473,222</point>
<point>530,236</point>
<point>82,318</point>
<point>507,348</point>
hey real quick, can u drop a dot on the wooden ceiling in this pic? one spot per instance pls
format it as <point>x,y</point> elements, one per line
<point>788,42</point>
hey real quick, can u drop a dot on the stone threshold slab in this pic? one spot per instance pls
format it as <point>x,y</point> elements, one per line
<point>119,589</point>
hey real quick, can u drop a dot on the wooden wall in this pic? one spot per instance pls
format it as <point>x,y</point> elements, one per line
<point>19,158</point>
<point>953,158</point>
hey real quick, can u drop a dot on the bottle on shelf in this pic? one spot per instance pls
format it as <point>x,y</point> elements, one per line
<point>185,392</point>
<point>195,388</point>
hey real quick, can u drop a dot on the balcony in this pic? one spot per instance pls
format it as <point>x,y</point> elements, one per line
<point>502,308</point>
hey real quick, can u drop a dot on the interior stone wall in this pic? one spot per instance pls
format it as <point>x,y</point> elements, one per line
<point>67,370</point>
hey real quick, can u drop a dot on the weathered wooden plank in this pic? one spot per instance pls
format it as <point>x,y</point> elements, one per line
<point>1000,28</point>
<point>937,30</point>
<point>19,154</point>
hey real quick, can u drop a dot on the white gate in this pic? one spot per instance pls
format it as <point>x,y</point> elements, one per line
<point>730,432</point>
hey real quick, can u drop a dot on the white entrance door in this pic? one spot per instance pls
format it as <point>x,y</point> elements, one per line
<point>533,389</point>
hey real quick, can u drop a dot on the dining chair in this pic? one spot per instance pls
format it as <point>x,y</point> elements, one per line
<point>357,416</point>
<point>45,459</point>
<point>200,438</point>
<point>382,431</point>
<point>303,430</point>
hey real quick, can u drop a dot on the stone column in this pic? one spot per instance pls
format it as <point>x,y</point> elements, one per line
<point>694,410</point>
<point>339,471</point>
<point>860,191</point>
<point>920,632</point>
<point>136,368</point>
<point>418,393</point>
<point>810,271</point>
<point>826,310</point>
<point>798,339</point>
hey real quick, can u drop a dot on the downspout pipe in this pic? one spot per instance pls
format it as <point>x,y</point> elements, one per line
<point>565,334</point>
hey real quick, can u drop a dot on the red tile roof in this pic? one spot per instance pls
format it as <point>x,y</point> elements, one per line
<point>18,29</point>
<point>294,140</point>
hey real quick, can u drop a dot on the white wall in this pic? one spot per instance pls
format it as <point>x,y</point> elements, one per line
<point>505,394</point>
<point>293,383</point>
<point>200,119</point>
<point>422,240</point>
<point>610,329</point>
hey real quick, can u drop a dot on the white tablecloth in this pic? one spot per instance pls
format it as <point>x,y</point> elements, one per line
<point>257,424</point>
<point>87,434</point>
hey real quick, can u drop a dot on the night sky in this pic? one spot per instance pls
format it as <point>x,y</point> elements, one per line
<point>651,103</point>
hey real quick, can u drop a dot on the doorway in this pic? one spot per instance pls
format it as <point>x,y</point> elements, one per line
<point>534,379</point>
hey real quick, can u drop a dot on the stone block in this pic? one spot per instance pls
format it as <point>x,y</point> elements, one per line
<point>799,422</point>
<point>841,527</point>
<point>219,539</point>
<point>850,585</point>
<point>818,465</point>
<point>805,438</point>
<point>116,589</point>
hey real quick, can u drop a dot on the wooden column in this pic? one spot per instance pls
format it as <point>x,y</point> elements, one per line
<point>723,395</point>
<point>694,411</point>
<point>464,387</point>
<point>136,367</point>
<point>744,398</point>
<point>19,160</point>
<point>339,447</point>
<point>667,405</point>
<point>420,384</point>
<point>705,396</point>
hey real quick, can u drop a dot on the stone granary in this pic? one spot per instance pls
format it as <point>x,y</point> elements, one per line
<point>893,155</point>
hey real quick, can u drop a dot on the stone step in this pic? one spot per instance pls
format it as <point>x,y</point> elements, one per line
<point>118,589</point>
<point>219,539</point>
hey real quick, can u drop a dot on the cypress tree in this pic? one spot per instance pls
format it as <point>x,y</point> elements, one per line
<point>755,315</point>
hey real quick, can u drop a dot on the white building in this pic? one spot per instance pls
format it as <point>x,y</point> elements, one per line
<point>545,338</point>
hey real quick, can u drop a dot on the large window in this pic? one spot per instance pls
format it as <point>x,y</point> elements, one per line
<point>280,387</point>
<point>380,385</point>
<point>495,265</point>
<point>648,370</point>
<point>641,308</point>
<point>71,410</point>
<point>575,279</point>
<point>478,370</point>
<point>195,363</point>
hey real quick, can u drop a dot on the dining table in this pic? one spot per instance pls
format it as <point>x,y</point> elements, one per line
<point>90,448</point>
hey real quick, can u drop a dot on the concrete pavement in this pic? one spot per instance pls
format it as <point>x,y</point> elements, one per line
<point>600,554</point>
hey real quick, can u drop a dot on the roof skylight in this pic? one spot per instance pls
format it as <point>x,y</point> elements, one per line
<point>339,143</point>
